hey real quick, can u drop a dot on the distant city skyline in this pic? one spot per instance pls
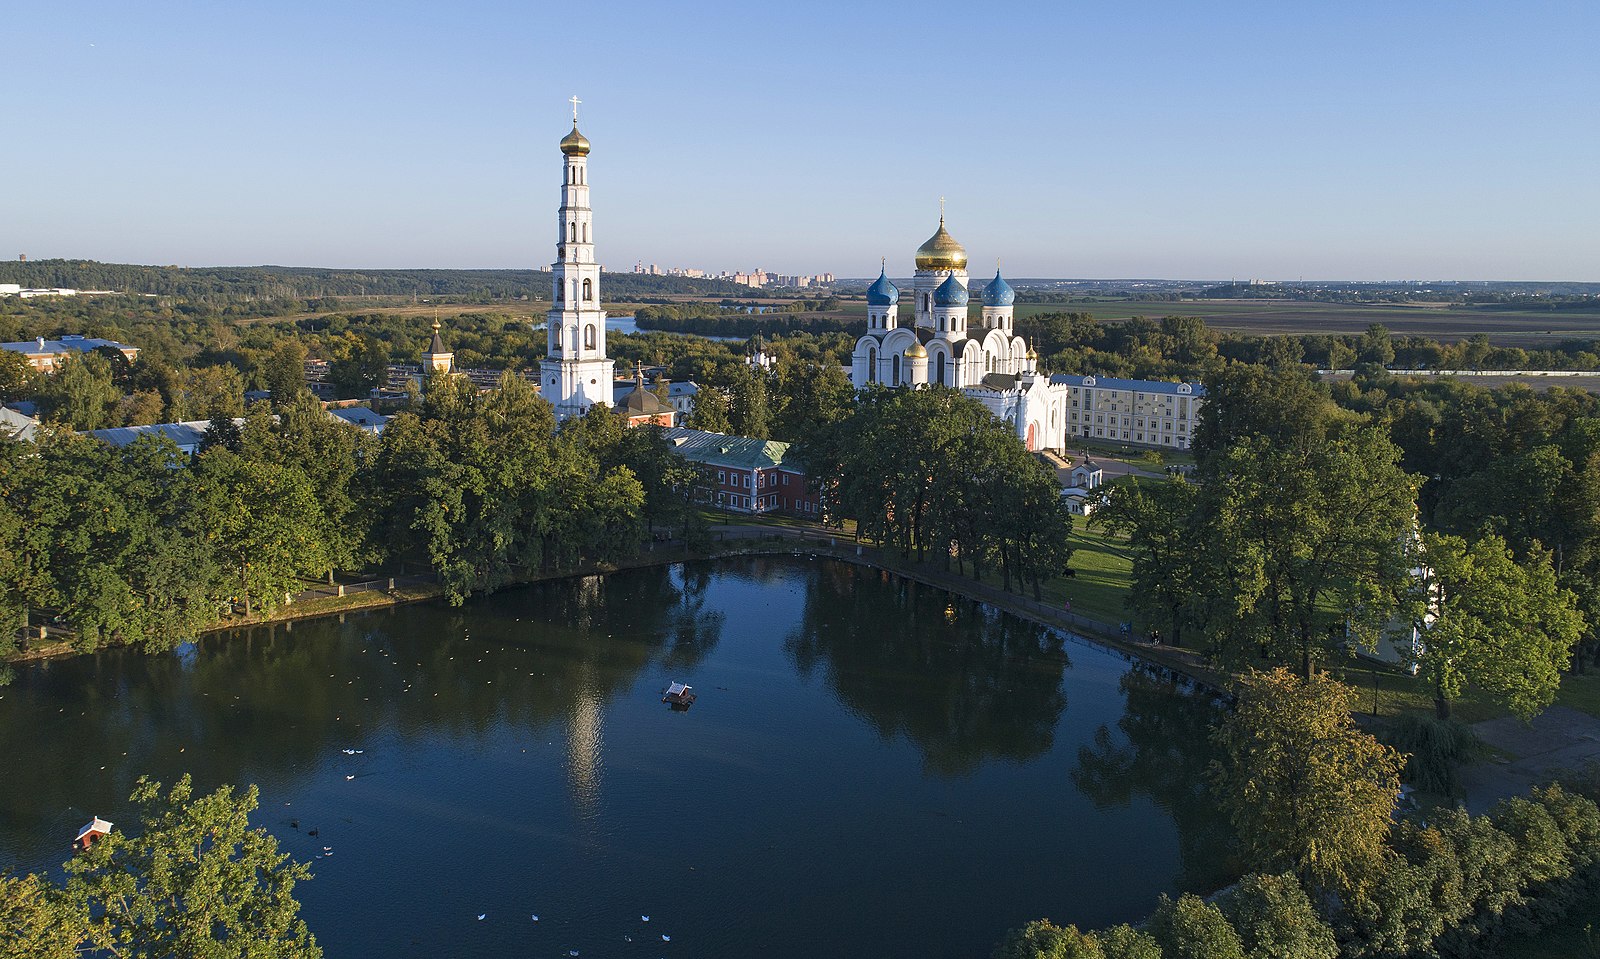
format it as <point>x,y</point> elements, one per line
<point>1431,140</point>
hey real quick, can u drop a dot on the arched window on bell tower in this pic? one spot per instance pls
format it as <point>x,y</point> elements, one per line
<point>588,290</point>
<point>588,337</point>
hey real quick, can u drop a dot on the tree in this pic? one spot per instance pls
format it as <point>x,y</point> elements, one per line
<point>264,523</point>
<point>1126,942</point>
<point>749,412</point>
<point>1042,939</point>
<point>1305,526</point>
<point>1274,919</point>
<point>82,393</point>
<point>1305,788</point>
<point>16,376</point>
<point>1376,346</point>
<point>1192,928</point>
<point>711,411</point>
<point>1487,621</point>
<point>36,921</point>
<point>196,881</point>
<point>284,373</point>
<point>1156,517</point>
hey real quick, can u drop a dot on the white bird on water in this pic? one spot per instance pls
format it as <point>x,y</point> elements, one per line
<point>666,938</point>
<point>644,918</point>
<point>348,778</point>
<point>535,917</point>
<point>482,916</point>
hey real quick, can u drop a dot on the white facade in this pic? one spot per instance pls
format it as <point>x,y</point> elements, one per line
<point>994,366</point>
<point>575,374</point>
<point>1143,412</point>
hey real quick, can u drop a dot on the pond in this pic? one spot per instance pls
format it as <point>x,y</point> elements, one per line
<point>871,768</point>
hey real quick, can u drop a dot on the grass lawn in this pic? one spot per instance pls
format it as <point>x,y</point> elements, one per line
<point>1104,574</point>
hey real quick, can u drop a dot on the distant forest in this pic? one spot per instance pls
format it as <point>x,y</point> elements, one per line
<point>308,283</point>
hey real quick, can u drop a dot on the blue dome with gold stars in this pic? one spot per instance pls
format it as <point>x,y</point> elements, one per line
<point>998,292</point>
<point>950,293</point>
<point>883,292</point>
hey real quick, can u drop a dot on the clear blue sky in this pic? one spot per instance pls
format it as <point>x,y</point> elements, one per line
<point>1375,140</point>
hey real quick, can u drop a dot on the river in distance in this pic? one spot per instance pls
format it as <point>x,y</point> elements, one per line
<point>872,768</point>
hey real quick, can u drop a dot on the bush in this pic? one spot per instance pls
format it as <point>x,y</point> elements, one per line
<point>1042,939</point>
<point>1126,942</point>
<point>1273,917</point>
<point>1434,749</point>
<point>1192,928</point>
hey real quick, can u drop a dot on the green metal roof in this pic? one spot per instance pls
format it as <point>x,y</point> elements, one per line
<point>720,449</point>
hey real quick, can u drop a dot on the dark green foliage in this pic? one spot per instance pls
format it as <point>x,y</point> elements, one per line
<point>1042,939</point>
<point>932,473</point>
<point>1191,928</point>
<point>1126,942</point>
<point>1275,919</point>
<point>1434,749</point>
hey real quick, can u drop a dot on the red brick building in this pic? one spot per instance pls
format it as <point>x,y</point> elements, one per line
<point>746,475</point>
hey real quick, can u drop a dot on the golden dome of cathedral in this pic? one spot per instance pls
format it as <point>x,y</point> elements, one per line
<point>917,351</point>
<point>575,143</point>
<point>941,252</point>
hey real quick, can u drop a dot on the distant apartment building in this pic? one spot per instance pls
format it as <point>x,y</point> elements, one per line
<point>744,474</point>
<point>47,355</point>
<point>1146,412</point>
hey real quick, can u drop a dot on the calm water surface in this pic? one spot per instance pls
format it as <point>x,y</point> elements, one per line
<point>870,770</point>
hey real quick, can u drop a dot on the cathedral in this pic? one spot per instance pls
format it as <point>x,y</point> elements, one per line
<point>989,362</point>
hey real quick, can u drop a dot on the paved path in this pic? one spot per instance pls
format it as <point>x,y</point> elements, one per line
<point>1558,739</point>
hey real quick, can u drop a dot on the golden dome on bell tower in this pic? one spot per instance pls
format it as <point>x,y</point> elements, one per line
<point>941,252</point>
<point>575,143</point>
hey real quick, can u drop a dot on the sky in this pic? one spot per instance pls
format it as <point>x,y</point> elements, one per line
<point>1361,139</point>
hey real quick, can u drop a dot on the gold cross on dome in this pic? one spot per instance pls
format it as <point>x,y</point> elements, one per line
<point>574,101</point>
<point>941,209</point>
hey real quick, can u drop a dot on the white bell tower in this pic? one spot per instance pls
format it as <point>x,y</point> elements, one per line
<point>575,374</point>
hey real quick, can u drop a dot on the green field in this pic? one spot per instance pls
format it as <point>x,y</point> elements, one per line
<point>1504,326</point>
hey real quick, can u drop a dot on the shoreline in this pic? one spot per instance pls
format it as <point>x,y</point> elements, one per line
<point>744,540</point>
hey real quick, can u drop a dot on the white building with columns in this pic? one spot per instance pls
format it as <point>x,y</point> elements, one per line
<point>996,367</point>
<point>575,374</point>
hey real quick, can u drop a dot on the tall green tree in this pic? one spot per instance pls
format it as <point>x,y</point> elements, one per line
<point>1274,918</point>
<point>1158,518</point>
<point>1311,534</point>
<point>1487,621</point>
<point>265,524</point>
<point>1191,928</point>
<point>1306,789</point>
<point>82,393</point>
<point>196,880</point>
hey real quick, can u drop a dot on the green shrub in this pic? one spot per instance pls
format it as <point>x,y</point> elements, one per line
<point>1042,939</point>
<point>1274,918</point>
<point>1434,749</point>
<point>1192,928</point>
<point>1126,942</point>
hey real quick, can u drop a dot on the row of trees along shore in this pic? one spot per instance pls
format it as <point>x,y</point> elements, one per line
<point>135,545</point>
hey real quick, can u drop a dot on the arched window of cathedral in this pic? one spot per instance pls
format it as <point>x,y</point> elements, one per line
<point>872,365</point>
<point>588,337</point>
<point>588,289</point>
<point>941,324</point>
<point>940,376</point>
<point>897,369</point>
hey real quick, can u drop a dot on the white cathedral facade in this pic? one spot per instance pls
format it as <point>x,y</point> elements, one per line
<point>576,373</point>
<point>936,347</point>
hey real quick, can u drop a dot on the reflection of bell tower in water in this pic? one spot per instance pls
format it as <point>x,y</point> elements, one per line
<point>586,717</point>
<point>585,728</point>
<point>575,374</point>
